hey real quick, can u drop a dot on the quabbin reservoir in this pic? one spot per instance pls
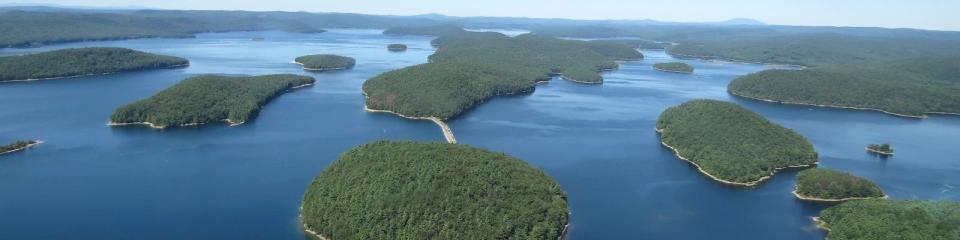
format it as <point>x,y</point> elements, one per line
<point>92,181</point>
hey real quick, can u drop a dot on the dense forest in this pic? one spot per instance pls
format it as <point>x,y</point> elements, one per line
<point>324,62</point>
<point>469,68</point>
<point>82,61</point>
<point>730,142</point>
<point>409,190</point>
<point>677,67</point>
<point>397,47</point>
<point>893,220</point>
<point>208,98</point>
<point>911,87</point>
<point>831,184</point>
<point>20,144</point>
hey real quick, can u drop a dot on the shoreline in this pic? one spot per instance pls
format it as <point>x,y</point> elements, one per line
<point>841,107</point>
<point>92,74</point>
<point>708,57</point>
<point>816,199</point>
<point>447,132</point>
<point>37,142</point>
<point>820,224</point>
<point>307,229</point>
<point>229,122</point>
<point>744,184</point>
<point>880,152</point>
<point>670,71</point>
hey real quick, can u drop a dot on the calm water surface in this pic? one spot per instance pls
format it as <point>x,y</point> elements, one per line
<point>90,181</point>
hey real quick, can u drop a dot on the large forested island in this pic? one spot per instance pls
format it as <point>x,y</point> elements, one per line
<point>18,146</point>
<point>206,99</point>
<point>892,220</point>
<point>911,87</point>
<point>676,67</point>
<point>826,185</point>
<point>81,61</point>
<point>325,62</point>
<point>469,68</point>
<point>731,144</point>
<point>409,190</point>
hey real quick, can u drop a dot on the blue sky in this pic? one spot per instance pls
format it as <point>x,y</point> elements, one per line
<point>925,14</point>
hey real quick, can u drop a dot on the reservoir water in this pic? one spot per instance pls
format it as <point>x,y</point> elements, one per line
<point>90,181</point>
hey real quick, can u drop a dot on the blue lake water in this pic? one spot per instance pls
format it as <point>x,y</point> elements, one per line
<point>90,181</point>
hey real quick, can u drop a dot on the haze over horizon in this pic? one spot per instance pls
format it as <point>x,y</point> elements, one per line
<point>921,14</point>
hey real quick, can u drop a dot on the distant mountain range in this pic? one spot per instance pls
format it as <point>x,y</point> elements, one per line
<point>467,21</point>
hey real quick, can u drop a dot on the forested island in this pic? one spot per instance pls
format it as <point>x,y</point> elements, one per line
<point>911,87</point>
<point>208,98</point>
<point>325,62</point>
<point>882,149</point>
<point>18,146</point>
<point>396,47</point>
<point>731,144</point>
<point>81,62</point>
<point>892,220</point>
<point>675,67</point>
<point>36,28</point>
<point>470,67</point>
<point>826,185</point>
<point>409,190</point>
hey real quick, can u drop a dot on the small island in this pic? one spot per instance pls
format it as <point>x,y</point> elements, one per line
<point>19,145</point>
<point>674,67</point>
<point>396,47</point>
<point>410,190</point>
<point>325,62</point>
<point>881,149</point>
<point>731,144</point>
<point>208,98</point>
<point>880,219</point>
<point>826,185</point>
<point>77,62</point>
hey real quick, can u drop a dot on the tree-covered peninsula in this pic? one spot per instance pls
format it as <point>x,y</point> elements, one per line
<point>82,61</point>
<point>468,68</point>
<point>208,98</point>
<point>910,87</point>
<point>18,146</point>
<point>325,62</point>
<point>676,67</point>
<point>892,220</point>
<point>817,184</point>
<point>730,143</point>
<point>397,47</point>
<point>409,190</point>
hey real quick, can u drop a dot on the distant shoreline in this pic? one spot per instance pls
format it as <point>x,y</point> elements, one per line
<point>841,107</point>
<point>707,57</point>
<point>92,74</point>
<point>744,184</point>
<point>36,142</point>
